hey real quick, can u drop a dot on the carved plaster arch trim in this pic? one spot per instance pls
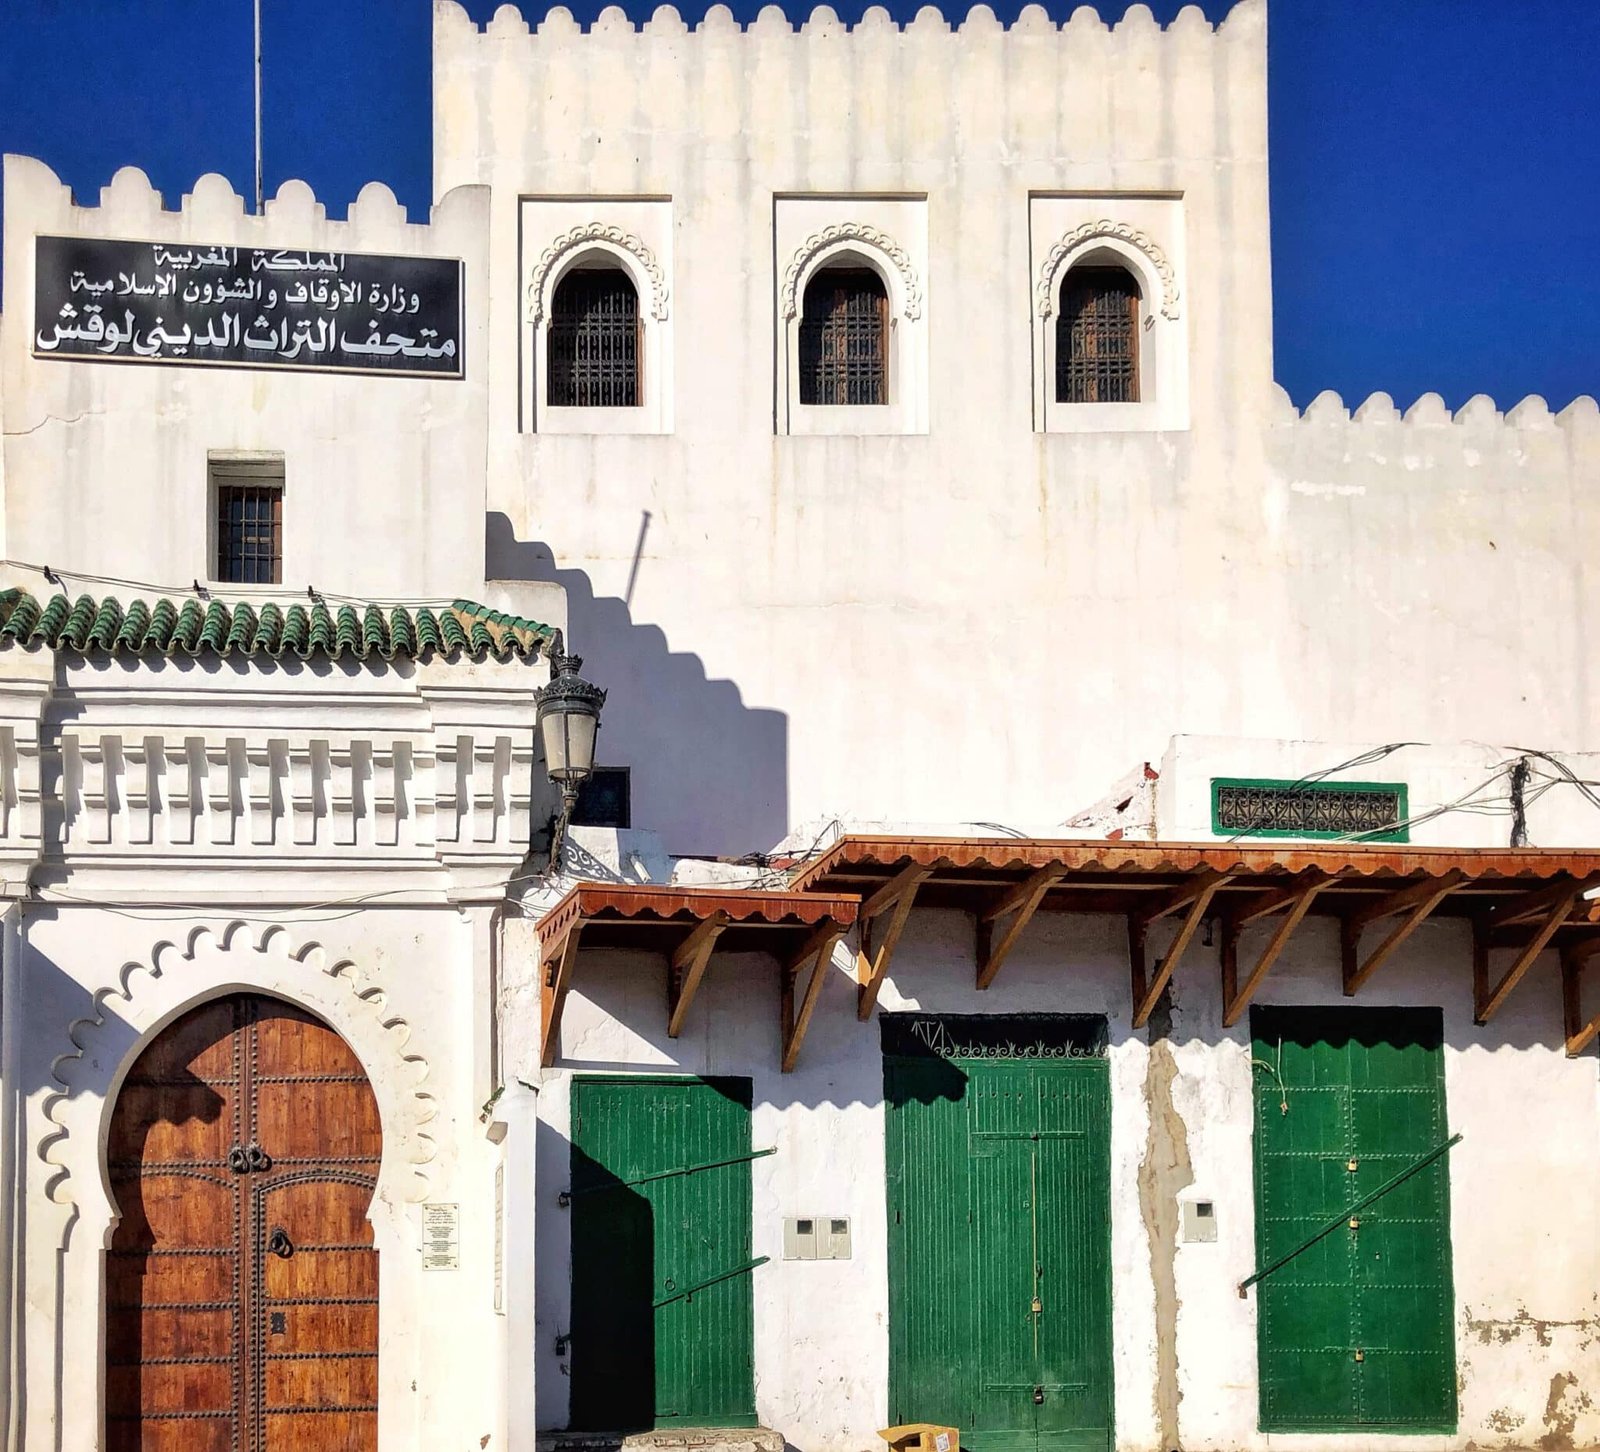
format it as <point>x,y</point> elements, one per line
<point>148,995</point>
<point>577,237</point>
<point>1117,232</point>
<point>871,237</point>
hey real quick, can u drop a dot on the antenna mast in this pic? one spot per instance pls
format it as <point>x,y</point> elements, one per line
<point>258,105</point>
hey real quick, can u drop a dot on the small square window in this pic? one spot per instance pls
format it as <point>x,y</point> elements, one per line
<point>247,516</point>
<point>605,800</point>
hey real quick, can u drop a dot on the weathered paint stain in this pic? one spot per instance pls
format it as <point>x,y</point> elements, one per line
<point>1561,1412</point>
<point>1165,1170</point>
<point>1503,1419</point>
<point>1502,1331</point>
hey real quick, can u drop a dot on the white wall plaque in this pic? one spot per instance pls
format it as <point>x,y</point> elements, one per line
<point>441,1237</point>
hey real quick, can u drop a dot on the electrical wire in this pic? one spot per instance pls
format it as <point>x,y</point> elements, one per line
<point>56,573</point>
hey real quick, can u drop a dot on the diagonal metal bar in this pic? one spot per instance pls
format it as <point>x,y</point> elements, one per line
<point>1344,1217</point>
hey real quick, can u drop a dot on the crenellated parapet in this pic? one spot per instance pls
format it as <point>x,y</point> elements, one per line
<point>130,201</point>
<point>1479,415</point>
<point>558,22</point>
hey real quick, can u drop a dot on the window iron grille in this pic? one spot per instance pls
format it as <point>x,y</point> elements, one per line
<point>249,531</point>
<point>595,341</point>
<point>1245,808</point>
<point>1097,337</point>
<point>844,338</point>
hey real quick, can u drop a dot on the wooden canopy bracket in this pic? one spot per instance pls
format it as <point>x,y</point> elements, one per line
<point>1020,903</point>
<point>892,901</point>
<point>1295,902</point>
<point>1555,903</point>
<point>818,951</point>
<point>554,981</point>
<point>1416,902</point>
<point>1574,958</point>
<point>1195,894</point>
<point>688,968</point>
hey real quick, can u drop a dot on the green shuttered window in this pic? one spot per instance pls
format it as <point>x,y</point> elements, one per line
<point>1356,1328</point>
<point>662,1323</point>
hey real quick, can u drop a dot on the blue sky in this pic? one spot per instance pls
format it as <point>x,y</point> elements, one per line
<point>1436,209</point>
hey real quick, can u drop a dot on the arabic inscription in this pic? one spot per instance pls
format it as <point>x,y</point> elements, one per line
<point>254,307</point>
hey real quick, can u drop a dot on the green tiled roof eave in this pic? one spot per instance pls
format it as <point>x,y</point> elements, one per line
<point>172,627</point>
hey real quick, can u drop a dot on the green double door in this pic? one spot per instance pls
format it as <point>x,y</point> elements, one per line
<point>1356,1325</point>
<point>662,1321</point>
<point>999,1232</point>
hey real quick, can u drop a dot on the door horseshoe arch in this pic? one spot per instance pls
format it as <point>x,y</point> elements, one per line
<point>242,1279</point>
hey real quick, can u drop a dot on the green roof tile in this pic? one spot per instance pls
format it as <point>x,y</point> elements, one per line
<point>192,627</point>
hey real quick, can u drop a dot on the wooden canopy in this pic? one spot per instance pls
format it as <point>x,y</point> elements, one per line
<point>687,924</point>
<point>1518,901</point>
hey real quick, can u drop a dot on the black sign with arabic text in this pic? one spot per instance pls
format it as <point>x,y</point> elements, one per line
<point>252,307</point>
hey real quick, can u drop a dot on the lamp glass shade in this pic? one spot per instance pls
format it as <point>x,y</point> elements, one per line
<point>568,742</point>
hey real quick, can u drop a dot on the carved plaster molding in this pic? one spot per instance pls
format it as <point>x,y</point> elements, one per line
<point>571,240</point>
<point>1119,232</point>
<point>177,978</point>
<point>851,232</point>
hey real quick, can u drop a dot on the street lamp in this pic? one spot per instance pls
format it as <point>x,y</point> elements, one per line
<point>568,715</point>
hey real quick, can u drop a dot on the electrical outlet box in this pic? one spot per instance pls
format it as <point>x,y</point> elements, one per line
<point>1199,1222</point>
<point>816,1237</point>
<point>800,1238</point>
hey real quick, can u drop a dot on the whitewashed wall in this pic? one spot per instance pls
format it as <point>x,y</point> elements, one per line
<point>798,602</point>
<point>1526,1262</point>
<point>105,463</point>
<point>1021,614</point>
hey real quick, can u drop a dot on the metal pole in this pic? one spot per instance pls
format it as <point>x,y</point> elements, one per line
<point>258,105</point>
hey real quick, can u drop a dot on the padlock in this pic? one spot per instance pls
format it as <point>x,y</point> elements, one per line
<point>1351,1165</point>
<point>1354,1223</point>
<point>1361,1355</point>
<point>1037,1306</point>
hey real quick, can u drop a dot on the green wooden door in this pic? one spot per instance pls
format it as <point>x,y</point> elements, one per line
<point>999,1233</point>
<point>1356,1329</point>
<point>662,1326</point>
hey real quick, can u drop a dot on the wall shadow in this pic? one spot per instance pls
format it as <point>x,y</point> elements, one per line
<point>710,775</point>
<point>613,1282</point>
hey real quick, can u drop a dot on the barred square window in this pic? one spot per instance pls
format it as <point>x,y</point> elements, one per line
<point>247,513</point>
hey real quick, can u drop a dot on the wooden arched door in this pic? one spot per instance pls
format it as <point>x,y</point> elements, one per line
<point>242,1282</point>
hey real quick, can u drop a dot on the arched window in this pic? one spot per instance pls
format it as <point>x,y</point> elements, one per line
<point>844,338</point>
<point>594,344</point>
<point>1097,337</point>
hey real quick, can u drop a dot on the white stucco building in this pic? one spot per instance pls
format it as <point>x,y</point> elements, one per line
<point>887,414</point>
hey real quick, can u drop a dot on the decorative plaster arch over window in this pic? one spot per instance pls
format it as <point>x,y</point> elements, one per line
<point>146,997</point>
<point>843,232</point>
<point>1106,230</point>
<point>545,269</point>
